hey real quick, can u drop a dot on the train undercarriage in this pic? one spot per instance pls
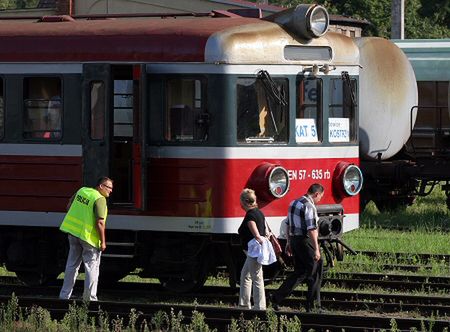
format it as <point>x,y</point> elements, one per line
<point>396,184</point>
<point>180,261</point>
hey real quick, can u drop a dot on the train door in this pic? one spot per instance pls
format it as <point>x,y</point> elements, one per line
<point>96,119</point>
<point>111,143</point>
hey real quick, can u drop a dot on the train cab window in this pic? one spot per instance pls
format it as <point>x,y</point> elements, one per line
<point>98,109</point>
<point>186,115</point>
<point>43,108</point>
<point>262,109</point>
<point>2,111</point>
<point>308,120</point>
<point>342,110</point>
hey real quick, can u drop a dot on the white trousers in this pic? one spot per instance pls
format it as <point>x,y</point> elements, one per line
<point>252,279</point>
<point>81,251</point>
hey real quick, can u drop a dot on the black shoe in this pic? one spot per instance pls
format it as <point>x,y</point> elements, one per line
<point>274,304</point>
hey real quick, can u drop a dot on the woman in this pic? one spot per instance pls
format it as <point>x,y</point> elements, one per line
<point>252,227</point>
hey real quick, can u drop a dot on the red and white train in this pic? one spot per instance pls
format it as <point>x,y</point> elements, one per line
<point>183,113</point>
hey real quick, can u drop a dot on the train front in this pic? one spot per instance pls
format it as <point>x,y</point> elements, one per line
<point>275,109</point>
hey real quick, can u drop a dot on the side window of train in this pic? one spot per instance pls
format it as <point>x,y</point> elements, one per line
<point>43,108</point>
<point>342,108</point>
<point>186,117</point>
<point>433,106</point>
<point>308,119</point>
<point>2,111</point>
<point>98,108</point>
<point>262,109</point>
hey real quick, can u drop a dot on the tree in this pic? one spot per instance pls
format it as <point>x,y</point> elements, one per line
<point>423,18</point>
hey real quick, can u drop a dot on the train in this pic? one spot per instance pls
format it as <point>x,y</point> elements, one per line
<point>183,111</point>
<point>423,162</point>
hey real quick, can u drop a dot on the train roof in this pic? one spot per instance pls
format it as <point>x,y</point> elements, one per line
<point>196,39</point>
<point>430,58</point>
<point>168,39</point>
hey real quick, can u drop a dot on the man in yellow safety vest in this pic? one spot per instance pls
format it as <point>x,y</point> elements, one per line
<point>85,225</point>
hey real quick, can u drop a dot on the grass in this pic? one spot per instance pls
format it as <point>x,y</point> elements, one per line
<point>393,241</point>
<point>423,228</point>
<point>427,214</point>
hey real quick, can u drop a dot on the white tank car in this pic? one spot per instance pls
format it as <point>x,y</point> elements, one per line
<point>387,92</point>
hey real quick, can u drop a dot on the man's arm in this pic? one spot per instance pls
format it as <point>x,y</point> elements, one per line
<point>100,225</point>
<point>314,236</point>
<point>100,215</point>
<point>313,232</point>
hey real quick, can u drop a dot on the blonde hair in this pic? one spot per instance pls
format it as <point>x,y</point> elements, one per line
<point>248,198</point>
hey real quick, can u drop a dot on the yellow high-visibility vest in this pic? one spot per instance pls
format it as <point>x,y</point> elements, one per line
<point>80,221</point>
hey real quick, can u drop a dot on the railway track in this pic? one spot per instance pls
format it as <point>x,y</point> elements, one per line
<point>214,301</point>
<point>425,305</point>
<point>350,281</point>
<point>220,317</point>
<point>403,256</point>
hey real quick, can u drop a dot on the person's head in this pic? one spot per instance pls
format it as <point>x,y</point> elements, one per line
<point>315,191</point>
<point>104,186</point>
<point>248,199</point>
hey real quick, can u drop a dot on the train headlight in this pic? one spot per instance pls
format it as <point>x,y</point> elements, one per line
<point>347,179</point>
<point>352,180</point>
<point>317,21</point>
<point>278,182</point>
<point>306,21</point>
<point>269,181</point>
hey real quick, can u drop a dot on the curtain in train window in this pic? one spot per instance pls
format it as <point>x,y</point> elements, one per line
<point>186,115</point>
<point>98,109</point>
<point>262,110</point>
<point>308,120</point>
<point>43,108</point>
<point>342,121</point>
<point>2,111</point>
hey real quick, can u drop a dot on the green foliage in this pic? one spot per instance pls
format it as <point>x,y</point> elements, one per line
<point>290,324</point>
<point>198,323</point>
<point>18,4</point>
<point>39,320</point>
<point>77,319</point>
<point>423,18</point>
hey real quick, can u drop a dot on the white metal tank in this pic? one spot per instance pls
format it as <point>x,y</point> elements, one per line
<point>387,92</point>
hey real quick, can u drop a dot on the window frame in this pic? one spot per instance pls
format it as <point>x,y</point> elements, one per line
<point>353,116</point>
<point>247,140</point>
<point>319,107</point>
<point>104,127</point>
<point>25,83</point>
<point>3,118</point>
<point>202,111</point>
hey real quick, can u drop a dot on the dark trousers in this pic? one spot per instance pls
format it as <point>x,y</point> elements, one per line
<point>306,269</point>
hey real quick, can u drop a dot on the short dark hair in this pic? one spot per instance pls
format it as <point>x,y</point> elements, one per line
<point>102,180</point>
<point>315,188</point>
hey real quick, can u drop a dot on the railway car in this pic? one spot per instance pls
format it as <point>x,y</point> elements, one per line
<point>183,112</point>
<point>424,161</point>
